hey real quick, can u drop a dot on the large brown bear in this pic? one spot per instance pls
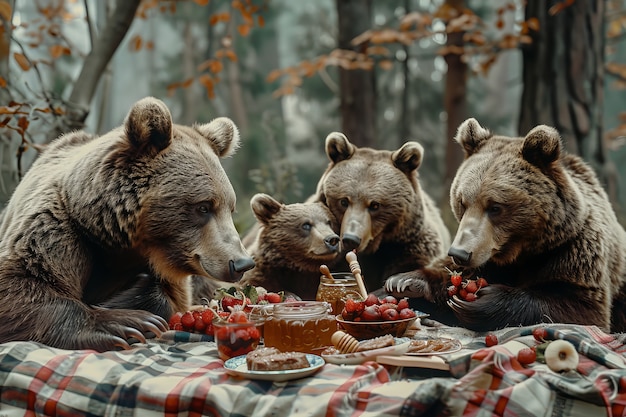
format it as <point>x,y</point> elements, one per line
<point>148,201</point>
<point>384,213</point>
<point>292,242</point>
<point>536,223</point>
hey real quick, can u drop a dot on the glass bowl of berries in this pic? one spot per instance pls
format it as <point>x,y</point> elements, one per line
<point>236,335</point>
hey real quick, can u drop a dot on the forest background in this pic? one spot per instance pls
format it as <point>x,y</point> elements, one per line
<point>289,72</point>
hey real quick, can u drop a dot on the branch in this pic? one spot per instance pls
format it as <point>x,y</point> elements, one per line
<point>97,60</point>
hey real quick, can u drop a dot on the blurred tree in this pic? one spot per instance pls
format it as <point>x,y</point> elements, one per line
<point>357,87</point>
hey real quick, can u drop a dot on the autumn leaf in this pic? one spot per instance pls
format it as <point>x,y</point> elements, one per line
<point>386,64</point>
<point>243,30</point>
<point>58,50</point>
<point>5,10</point>
<point>201,2</point>
<point>22,123</point>
<point>22,61</point>
<point>3,82</point>
<point>261,21</point>
<point>209,84</point>
<point>135,43</point>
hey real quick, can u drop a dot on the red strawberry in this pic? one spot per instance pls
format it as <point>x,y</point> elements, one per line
<point>452,290</point>
<point>403,303</point>
<point>471,296</point>
<point>371,313</point>
<point>389,299</point>
<point>207,316</point>
<point>491,340</point>
<point>526,356</point>
<point>390,314</point>
<point>175,319</point>
<point>371,300</point>
<point>471,286</point>
<point>188,320</point>
<point>406,313</point>
<point>481,282</point>
<point>456,279</point>
<point>387,306</point>
<point>273,297</point>
<point>238,316</point>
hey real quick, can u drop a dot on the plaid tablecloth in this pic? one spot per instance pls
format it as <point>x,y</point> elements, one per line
<point>182,377</point>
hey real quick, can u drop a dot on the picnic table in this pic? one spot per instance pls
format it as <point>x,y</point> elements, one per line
<point>180,374</point>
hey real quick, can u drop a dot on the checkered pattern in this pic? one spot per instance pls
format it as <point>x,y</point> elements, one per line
<point>180,375</point>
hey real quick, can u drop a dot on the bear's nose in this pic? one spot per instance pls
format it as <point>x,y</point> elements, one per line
<point>460,256</point>
<point>239,266</point>
<point>350,241</point>
<point>332,242</point>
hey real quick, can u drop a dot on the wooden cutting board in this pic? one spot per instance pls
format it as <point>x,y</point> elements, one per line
<point>430,362</point>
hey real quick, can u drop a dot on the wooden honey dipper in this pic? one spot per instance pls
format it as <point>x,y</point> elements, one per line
<point>326,272</point>
<point>355,268</point>
<point>344,342</point>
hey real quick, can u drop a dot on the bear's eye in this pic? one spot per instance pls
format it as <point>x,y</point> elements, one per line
<point>204,209</point>
<point>306,226</point>
<point>494,210</point>
<point>374,206</point>
<point>344,202</point>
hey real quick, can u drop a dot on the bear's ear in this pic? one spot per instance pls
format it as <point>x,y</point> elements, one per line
<point>148,125</point>
<point>223,135</point>
<point>409,157</point>
<point>542,146</point>
<point>470,135</point>
<point>264,207</point>
<point>338,148</point>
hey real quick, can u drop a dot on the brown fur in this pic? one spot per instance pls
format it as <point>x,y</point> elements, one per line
<point>536,223</point>
<point>292,242</point>
<point>98,221</point>
<point>384,213</point>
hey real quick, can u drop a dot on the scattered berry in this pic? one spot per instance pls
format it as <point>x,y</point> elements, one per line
<point>491,340</point>
<point>540,334</point>
<point>526,356</point>
<point>456,280</point>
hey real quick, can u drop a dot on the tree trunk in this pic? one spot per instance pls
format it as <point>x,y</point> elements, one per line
<point>357,87</point>
<point>455,105</point>
<point>563,75</point>
<point>5,47</point>
<point>95,64</point>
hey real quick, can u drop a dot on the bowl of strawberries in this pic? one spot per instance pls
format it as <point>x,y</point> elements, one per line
<point>374,316</point>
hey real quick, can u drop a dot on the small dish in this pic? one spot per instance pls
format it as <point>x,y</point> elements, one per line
<point>450,346</point>
<point>237,367</point>
<point>360,357</point>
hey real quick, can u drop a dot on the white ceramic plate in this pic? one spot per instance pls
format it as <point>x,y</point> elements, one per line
<point>456,346</point>
<point>368,355</point>
<point>237,366</point>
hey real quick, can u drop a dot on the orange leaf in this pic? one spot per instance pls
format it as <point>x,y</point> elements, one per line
<point>5,10</point>
<point>22,61</point>
<point>22,123</point>
<point>3,82</point>
<point>58,50</point>
<point>243,30</point>
<point>273,76</point>
<point>201,2</point>
<point>533,23</point>
<point>186,83</point>
<point>386,64</point>
<point>135,43</point>
<point>261,21</point>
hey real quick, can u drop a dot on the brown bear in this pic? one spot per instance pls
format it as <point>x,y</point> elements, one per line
<point>537,224</point>
<point>292,242</point>
<point>96,216</point>
<point>384,213</point>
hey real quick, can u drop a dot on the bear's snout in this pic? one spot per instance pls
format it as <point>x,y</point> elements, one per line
<point>332,242</point>
<point>239,266</point>
<point>461,256</point>
<point>350,241</point>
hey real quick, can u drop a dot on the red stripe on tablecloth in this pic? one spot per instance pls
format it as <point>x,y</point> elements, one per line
<point>381,375</point>
<point>171,403</point>
<point>42,377</point>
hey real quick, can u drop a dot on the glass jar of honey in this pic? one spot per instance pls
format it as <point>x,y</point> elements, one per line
<point>300,326</point>
<point>336,291</point>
